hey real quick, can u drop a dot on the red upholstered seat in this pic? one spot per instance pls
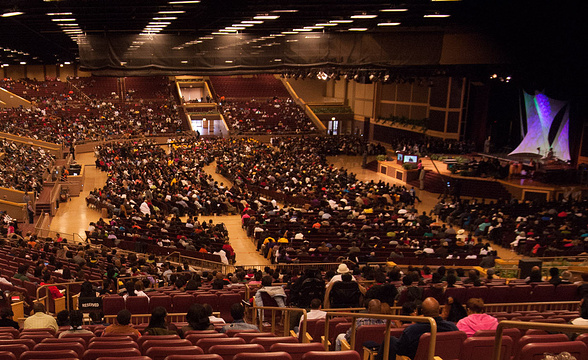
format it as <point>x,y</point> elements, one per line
<point>85,337</point>
<point>206,343</point>
<point>514,334</point>
<point>193,338</point>
<point>9,330</point>
<point>27,342</point>
<point>39,330</point>
<point>231,332</point>
<point>267,342</point>
<point>481,348</point>
<point>181,303</point>
<point>228,351</point>
<point>248,336</point>
<point>536,351</point>
<point>144,338</point>
<point>208,298</point>
<point>37,338</point>
<point>54,354</point>
<point>225,301</point>
<point>529,339</point>
<point>111,338</point>
<point>113,345</point>
<point>368,333</point>
<point>111,305</point>
<point>296,350</point>
<point>447,347</point>
<point>129,358</point>
<point>161,352</point>
<point>64,340</point>
<point>279,355</point>
<point>331,355</point>
<point>137,304</point>
<point>93,354</point>
<point>16,349</point>
<point>160,300</point>
<point>195,357</point>
<point>7,355</point>
<point>133,336</point>
<point>75,346</point>
<point>175,343</point>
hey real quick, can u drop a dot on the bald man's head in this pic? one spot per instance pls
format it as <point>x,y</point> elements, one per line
<point>375,306</point>
<point>430,307</point>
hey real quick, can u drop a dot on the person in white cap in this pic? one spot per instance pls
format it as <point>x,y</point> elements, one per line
<point>342,269</point>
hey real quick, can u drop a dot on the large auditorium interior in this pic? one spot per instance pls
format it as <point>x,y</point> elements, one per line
<point>293,179</point>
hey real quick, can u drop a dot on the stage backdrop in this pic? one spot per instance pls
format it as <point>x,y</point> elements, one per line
<point>547,126</point>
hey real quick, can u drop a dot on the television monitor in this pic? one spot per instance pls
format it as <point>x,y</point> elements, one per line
<point>410,158</point>
<point>400,156</point>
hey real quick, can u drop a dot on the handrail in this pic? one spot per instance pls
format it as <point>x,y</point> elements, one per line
<point>506,324</point>
<point>274,309</point>
<point>388,318</point>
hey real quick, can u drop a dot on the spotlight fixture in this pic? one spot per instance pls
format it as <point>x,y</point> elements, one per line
<point>11,13</point>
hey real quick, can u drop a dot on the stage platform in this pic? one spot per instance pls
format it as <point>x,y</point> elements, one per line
<point>520,188</point>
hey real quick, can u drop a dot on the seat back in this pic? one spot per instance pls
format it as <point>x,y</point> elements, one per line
<point>233,332</point>
<point>206,343</point>
<point>161,352</point>
<point>248,336</point>
<point>144,338</point>
<point>208,298</point>
<point>544,292</point>
<point>532,339</point>
<point>113,345</point>
<point>137,304</point>
<point>16,349</point>
<point>9,330</point>
<point>194,357</point>
<point>75,346</point>
<point>112,304</point>
<point>368,333</point>
<point>64,340</point>
<point>566,292</point>
<point>37,338</point>
<point>267,342</point>
<point>481,348</point>
<point>52,354</point>
<point>519,293</point>
<point>225,301</point>
<point>39,330</point>
<point>447,346</point>
<point>7,355</point>
<point>181,303</point>
<point>280,355</point>
<point>111,338</point>
<point>458,294</point>
<point>296,350</point>
<point>331,355</point>
<point>497,294</point>
<point>227,352</point>
<point>193,338</point>
<point>160,300</point>
<point>514,334</point>
<point>93,354</point>
<point>477,292</point>
<point>175,343</point>
<point>86,337</point>
<point>536,351</point>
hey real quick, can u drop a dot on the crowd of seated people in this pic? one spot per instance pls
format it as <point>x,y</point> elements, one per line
<point>39,91</point>
<point>431,145</point>
<point>276,116</point>
<point>330,145</point>
<point>22,167</point>
<point>530,228</point>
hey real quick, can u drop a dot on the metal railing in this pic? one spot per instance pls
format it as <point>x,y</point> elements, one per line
<point>203,263</point>
<point>506,324</point>
<point>389,322</point>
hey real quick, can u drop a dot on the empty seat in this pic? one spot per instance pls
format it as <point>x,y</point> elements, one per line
<point>514,334</point>
<point>10,330</point>
<point>335,355</point>
<point>519,293</point>
<point>206,343</point>
<point>137,304</point>
<point>37,338</point>
<point>477,292</point>
<point>225,301</point>
<point>160,300</point>
<point>227,352</point>
<point>161,352</point>
<point>175,343</point>
<point>113,345</point>
<point>296,350</point>
<point>447,347</point>
<point>64,340</point>
<point>231,332</point>
<point>279,355</point>
<point>53,354</point>
<point>248,336</point>
<point>16,349</point>
<point>111,305</point>
<point>193,338</point>
<point>566,292</point>
<point>133,336</point>
<point>181,303</point>
<point>544,292</point>
<point>531,339</point>
<point>111,338</point>
<point>481,348</point>
<point>208,298</point>
<point>75,346</point>
<point>368,333</point>
<point>7,355</point>
<point>194,357</point>
<point>39,330</point>
<point>536,351</point>
<point>86,337</point>
<point>93,354</point>
<point>129,358</point>
<point>267,342</point>
<point>144,338</point>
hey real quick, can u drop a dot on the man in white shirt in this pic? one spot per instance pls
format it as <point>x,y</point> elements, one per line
<point>40,320</point>
<point>314,313</point>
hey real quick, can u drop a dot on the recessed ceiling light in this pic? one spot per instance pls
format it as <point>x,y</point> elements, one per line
<point>160,23</point>
<point>184,61</point>
<point>277,35</point>
<point>285,11</point>
<point>312,37</point>
<point>289,32</point>
<point>171,12</point>
<point>266,17</point>
<point>302,30</point>
<point>227,30</point>
<point>206,37</point>
<point>358,29</point>
<point>165,18</point>
<point>59,14</point>
<point>341,21</point>
<point>155,26</point>
<point>184,2</point>
<point>67,62</point>
<point>389,24</point>
<point>364,16</point>
<point>326,24</point>
<point>437,16</point>
<point>314,27</point>
<point>23,62</point>
<point>219,33</point>
<point>11,13</point>
<point>394,10</point>
<point>229,61</point>
<point>252,22</point>
<point>67,24</point>
<point>246,25</point>
<point>60,20</point>
<point>235,27</point>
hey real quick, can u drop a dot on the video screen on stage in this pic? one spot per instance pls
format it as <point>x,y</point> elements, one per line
<point>400,157</point>
<point>410,158</point>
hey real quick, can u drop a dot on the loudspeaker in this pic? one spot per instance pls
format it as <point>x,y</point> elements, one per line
<point>525,265</point>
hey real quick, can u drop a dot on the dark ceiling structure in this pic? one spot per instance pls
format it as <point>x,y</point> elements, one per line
<point>544,40</point>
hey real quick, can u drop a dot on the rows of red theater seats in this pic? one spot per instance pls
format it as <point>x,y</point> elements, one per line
<point>257,86</point>
<point>38,90</point>
<point>207,344</point>
<point>498,292</point>
<point>147,87</point>
<point>97,87</point>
